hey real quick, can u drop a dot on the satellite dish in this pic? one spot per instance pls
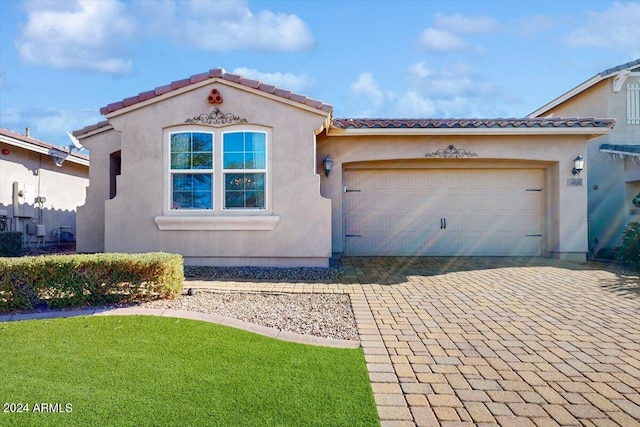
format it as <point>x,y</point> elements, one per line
<point>74,141</point>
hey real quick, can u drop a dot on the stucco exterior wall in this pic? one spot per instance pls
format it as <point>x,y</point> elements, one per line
<point>292,230</point>
<point>63,187</point>
<point>90,222</point>
<point>611,184</point>
<point>566,210</point>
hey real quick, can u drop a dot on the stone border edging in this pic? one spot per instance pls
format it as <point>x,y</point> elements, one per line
<point>193,315</point>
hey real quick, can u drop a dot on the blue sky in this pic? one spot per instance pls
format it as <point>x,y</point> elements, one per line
<point>61,60</point>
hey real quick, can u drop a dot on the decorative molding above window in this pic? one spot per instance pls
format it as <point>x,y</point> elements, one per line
<point>451,152</point>
<point>216,117</point>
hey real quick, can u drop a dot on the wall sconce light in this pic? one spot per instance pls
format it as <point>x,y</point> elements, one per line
<point>578,165</point>
<point>328,165</point>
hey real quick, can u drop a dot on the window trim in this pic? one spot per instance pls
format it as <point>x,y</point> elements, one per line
<point>170,172</point>
<point>224,171</point>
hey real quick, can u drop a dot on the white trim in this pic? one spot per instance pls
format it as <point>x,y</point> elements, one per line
<point>620,153</point>
<point>265,171</point>
<point>618,81</point>
<point>218,223</point>
<point>42,150</point>
<point>191,171</point>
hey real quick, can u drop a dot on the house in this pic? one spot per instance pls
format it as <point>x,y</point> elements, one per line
<point>230,171</point>
<point>613,159</point>
<point>41,186</point>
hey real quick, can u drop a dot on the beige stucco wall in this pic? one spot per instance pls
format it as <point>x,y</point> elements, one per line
<point>566,207</point>
<point>297,218</point>
<point>612,184</point>
<point>90,222</point>
<point>63,187</point>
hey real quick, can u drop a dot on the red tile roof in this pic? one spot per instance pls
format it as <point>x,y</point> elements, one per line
<point>558,122</point>
<point>38,143</point>
<point>217,73</point>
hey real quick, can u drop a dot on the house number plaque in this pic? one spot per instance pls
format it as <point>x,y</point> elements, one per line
<point>574,182</point>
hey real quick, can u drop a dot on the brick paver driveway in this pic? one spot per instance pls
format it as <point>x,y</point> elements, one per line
<point>493,341</point>
<point>513,342</point>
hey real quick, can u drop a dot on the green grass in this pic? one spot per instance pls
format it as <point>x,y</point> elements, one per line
<point>153,371</point>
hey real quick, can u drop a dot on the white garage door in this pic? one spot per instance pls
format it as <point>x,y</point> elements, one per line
<point>448,212</point>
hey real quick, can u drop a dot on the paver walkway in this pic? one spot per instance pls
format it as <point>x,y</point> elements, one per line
<point>492,341</point>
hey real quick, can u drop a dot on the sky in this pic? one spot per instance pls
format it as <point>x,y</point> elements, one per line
<point>62,60</point>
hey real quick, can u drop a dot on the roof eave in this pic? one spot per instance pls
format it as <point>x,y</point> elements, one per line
<point>622,70</point>
<point>42,150</point>
<point>568,95</point>
<point>590,132</point>
<point>199,84</point>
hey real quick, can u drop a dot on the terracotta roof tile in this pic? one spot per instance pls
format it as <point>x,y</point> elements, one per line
<point>130,101</point>
<point>251,83</point>
<point>266,88</point>
<point>557,122</point>
<point>283,93</point>
<point>91,128</point>
<point>199,77</point>
<point>232,77</point>
<point>161,90</point>
<point>146,95</point>
<point>212,74</point>
<point>180,83</point>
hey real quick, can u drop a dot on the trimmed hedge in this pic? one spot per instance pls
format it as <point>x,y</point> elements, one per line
<point>61,281</point>
<point>11,243</point>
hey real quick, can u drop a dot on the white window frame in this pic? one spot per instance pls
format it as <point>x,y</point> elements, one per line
<point>173,172</point>
<point>225,171</point>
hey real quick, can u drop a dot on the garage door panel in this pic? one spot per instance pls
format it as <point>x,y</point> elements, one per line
<point>487,212</point>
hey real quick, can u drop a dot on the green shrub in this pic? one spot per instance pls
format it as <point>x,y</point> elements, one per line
<point>11,244</point>
<point>59,281</point>
<point>629,250</point>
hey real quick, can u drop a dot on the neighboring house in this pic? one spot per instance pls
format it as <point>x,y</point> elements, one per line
<point>41,186</point>
<point>613,160</point>
<point>230,171</point>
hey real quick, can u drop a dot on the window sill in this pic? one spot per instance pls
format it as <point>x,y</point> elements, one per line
<point>217,223</point>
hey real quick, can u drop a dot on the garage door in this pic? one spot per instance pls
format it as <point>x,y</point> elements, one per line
<point>448,212</point>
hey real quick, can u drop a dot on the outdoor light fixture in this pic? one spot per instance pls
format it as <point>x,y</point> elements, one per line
<point>328,165</point>
<point>578,165</point>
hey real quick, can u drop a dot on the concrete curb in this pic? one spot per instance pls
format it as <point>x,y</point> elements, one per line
<point>193,315</point>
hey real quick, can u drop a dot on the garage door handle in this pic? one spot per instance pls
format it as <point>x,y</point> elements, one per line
<point>445,223</point>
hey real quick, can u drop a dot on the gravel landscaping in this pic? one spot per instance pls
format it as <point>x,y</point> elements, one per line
<point>321,315</point>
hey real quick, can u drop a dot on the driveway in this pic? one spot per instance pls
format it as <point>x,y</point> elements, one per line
<point>493,341</point>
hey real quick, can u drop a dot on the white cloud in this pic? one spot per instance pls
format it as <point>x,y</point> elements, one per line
<point>85,35</point>
<point>225,26</point>
<point>288,81</point>
<point>441,41</point>
<point>367,88</point>
<point>460,24</point>
<point>615,28</point>
<point>452,90</point>
<point>415,105</point>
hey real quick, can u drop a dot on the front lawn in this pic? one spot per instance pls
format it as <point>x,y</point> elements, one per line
<point>144,371</point>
